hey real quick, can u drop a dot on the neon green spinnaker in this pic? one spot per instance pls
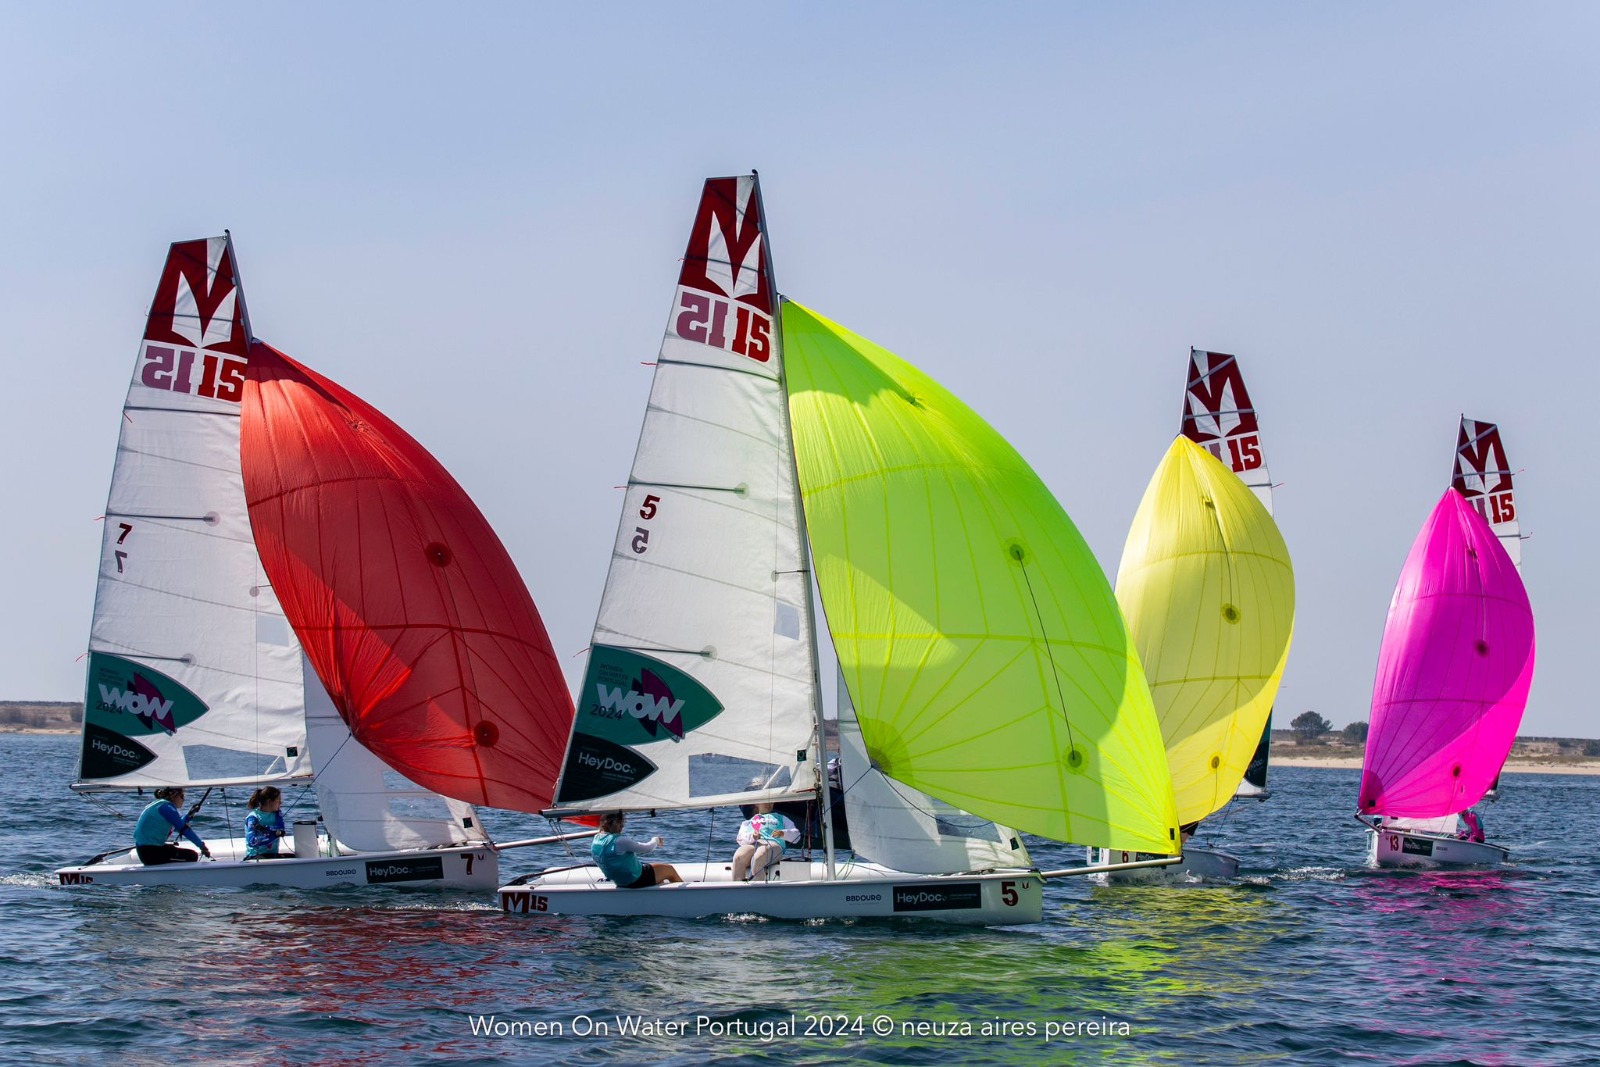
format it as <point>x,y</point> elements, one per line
<point>983,647</point>
<point>1208,591</point>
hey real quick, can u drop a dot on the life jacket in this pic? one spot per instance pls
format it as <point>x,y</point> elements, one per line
<point>623,868</point>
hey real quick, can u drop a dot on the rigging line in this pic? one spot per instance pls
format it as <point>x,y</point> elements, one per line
<point>1055,674</point>
<point>711,825</point>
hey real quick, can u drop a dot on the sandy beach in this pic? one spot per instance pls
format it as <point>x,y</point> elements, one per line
<point>1514,766</point>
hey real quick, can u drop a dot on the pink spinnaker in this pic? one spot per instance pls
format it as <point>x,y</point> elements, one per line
<point>1453,672</point>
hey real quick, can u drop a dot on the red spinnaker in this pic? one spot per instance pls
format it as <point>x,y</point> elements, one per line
<point>406,602</point>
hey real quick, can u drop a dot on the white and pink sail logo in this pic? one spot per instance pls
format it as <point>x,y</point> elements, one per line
<point>724,289</point>
<point>197,338</point>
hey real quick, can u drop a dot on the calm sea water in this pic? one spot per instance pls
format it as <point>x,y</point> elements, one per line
<point>1311,960</point>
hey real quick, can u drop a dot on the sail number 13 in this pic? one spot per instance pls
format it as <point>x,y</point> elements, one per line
<point>641,534</point>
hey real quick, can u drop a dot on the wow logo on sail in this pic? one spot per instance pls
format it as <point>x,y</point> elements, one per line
<point>132,700</point>
<point>633,699</point>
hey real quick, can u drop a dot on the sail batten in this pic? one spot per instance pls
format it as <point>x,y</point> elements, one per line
<point>950,575</point>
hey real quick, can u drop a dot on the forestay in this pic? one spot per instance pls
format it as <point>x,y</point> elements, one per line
<point>407,603</point>
<point>987,657</point>
<point>700,688</point>
<point>194,677</point>
<point>1453,671</point>
<point>1207,589</point>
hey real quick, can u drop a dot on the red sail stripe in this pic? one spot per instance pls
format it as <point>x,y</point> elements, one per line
<point>406,602</point>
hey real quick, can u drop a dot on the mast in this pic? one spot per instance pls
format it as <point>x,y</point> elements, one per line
<point>824,788</point>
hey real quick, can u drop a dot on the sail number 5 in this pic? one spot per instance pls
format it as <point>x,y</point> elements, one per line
<point>641,534</point>
<point>1008,894</point>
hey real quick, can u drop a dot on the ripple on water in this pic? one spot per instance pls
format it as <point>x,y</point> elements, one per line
<point>1310,959</point>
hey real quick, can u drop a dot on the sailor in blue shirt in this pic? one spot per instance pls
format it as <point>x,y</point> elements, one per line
<point>619,860</point>
<point>156,824</point>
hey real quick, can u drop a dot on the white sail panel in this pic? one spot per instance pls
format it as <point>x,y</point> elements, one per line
<point>1483,475</point>
<point>700,688</point>
<point>194,676</point>
<point>904,828</point>
<point>368,807</point>
<point>1218,416</point>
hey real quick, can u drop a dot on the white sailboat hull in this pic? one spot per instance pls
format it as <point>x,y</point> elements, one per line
<point>1388,847</point>
<point>467,867</point>
<point>1198,864</point>
<point>799,890</point>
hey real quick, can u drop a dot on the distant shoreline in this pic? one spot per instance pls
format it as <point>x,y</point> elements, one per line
<point>43,731</point>
<point>1513,766</point>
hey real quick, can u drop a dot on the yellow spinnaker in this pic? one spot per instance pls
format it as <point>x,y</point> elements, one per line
<point>1208,592</point>
<point>983,648</point>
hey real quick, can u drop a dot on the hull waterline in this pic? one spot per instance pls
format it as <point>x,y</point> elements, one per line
<point>1198,864</point>
<point>474,867</point>
<point>799,890</point>
<point>1389,847</point>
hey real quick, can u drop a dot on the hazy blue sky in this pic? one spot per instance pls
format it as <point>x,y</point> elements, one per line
<point>472,214</point>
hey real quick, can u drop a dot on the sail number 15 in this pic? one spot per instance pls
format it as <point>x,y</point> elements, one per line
<point>706,319</point>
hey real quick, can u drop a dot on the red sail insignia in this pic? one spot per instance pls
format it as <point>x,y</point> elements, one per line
<point>1481,465</point>
<point>1217,409</point>
<point>727,251</point>
<point>199,304</point>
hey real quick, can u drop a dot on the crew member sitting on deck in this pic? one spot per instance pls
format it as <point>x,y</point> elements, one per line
<point>763,837</point>
<point>263,827</point>
<point>619,861</point>
<point>1473,830</point>
<point>156,822</point>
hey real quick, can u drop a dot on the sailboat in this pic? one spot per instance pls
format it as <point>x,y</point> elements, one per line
<point>196,677</point>
<point>955,586</point>
<point>1207,589</point>
<point>1453,672</point>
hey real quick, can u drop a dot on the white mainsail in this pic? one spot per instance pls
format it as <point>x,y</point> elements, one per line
<point>701,688</point>
<point>194,676</point>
